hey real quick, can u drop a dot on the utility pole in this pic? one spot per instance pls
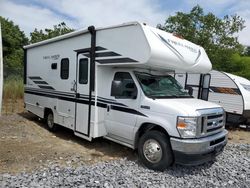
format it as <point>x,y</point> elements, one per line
<point>1,70</point>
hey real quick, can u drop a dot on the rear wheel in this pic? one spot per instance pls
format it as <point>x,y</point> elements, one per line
<point>154,150</point>
<point>50,122</point>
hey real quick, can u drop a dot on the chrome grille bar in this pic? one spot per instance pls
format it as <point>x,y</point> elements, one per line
<point>212,121</point>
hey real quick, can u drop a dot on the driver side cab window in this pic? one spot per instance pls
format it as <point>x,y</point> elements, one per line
<point>123,86</point>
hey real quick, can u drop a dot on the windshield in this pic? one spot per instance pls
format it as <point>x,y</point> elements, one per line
<point>158,86</point>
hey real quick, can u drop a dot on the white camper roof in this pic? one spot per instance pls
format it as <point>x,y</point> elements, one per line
<point>146,47</point>
<point>175,53</point>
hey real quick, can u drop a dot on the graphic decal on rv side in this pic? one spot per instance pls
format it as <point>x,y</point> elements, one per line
<point>46,87</point>
<point>106,56</point>
<point>35,78</point>
<point>84,50</point>
<point>232,91</point>
<point>225,90</point>
<point>38,81</point>
<point>84,99</point>
<point>116,60</point>
<point>169,43</point>
<point>103,54</point>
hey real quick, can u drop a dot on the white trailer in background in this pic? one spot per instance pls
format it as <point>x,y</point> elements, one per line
<point>114,83</point>
<point>230,91</point>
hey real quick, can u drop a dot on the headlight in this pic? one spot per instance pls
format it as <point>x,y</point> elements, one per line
<point>187,126</point>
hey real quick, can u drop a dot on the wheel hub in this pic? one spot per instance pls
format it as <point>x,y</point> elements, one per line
<point>50,120</point>
<point>152,151</point>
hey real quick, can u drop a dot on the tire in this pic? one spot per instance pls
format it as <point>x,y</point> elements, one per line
<point>50,122</point>
<point>154,150</point>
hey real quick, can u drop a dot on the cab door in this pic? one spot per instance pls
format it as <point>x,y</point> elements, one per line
<point>121,118</point>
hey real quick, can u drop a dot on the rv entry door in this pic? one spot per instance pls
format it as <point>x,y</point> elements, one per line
<point>83,100</point>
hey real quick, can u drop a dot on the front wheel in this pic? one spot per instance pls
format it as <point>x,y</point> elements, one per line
<point>154,150</point>
<point>50,122</point>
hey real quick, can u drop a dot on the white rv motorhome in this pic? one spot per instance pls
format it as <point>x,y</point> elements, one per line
<point>114,83</point>
<point>230,91</point>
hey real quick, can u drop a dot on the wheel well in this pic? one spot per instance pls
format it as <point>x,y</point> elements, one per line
<point>47,111</point>
<point>148,127</point>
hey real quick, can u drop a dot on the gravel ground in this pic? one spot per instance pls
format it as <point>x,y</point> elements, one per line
<point>231,169</point>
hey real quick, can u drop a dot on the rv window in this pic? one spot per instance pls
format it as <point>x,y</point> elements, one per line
<point>161,86</point>
<point>83,71</point>
<point>127,88</point>
<point>65,68</point>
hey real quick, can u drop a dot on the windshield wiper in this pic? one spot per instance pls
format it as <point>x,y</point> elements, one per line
<point>168,97</point>
<point>161,97</point>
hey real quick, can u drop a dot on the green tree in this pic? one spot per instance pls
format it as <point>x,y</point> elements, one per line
<point>247,51</point>
<point>216,35</point>
<point>13,41</point>
<point>40,35</point>
<point>244,62</point>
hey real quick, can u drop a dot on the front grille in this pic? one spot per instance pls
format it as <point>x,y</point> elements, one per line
<point>211,122</point>
<point>214,116</point>
<point>214,129</point>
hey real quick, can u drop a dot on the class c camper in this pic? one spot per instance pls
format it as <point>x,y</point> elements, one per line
<point>115,83</point>
<point>230,91</point>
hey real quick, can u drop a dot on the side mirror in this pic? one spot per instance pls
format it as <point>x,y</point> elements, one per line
<point>116,88</point>
<point>124,89</point>
<point>206,81</point>
<point>190,91</point>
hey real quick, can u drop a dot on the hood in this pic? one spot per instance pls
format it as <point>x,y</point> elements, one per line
<point>180,106</point>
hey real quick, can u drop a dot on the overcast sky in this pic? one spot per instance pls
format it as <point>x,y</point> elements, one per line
<point>31,14</point>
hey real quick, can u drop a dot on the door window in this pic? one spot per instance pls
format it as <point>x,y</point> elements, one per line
<point>83,71</point>
<point>64,68</point>
<point>127,88</point>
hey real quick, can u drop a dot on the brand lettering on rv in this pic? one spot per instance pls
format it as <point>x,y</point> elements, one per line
<point>177,43</point>
<point>46,57</point>
<point>54,57</point>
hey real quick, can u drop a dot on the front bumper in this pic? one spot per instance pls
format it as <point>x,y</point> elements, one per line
<point>200,150</point>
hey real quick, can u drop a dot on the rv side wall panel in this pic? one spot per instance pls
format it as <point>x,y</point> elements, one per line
<point>231,103</point>
<point>48,89</point>
<point>244,86</point>
<point>225,92</point>
<point>222,80</point>
<point>193,79</point>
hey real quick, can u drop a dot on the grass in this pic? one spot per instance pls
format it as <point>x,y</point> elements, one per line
<point>13,88</point>
<point>12,95</point>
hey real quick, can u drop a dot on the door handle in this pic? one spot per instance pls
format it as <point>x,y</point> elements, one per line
<point>74,86</point>
<point>108,108</point>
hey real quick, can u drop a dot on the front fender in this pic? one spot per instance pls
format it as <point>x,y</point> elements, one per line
<point>166,121</point>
